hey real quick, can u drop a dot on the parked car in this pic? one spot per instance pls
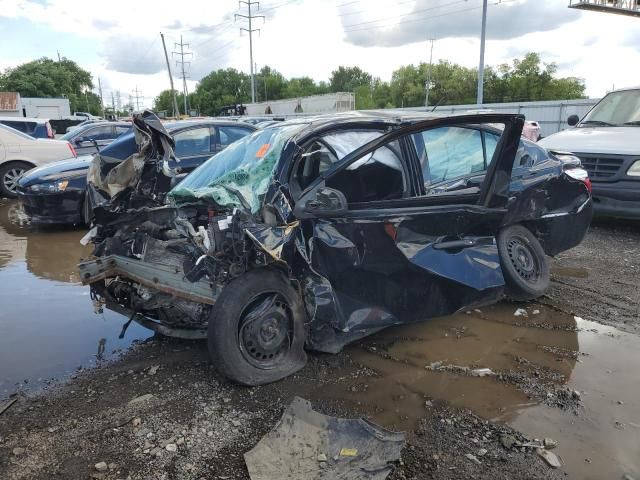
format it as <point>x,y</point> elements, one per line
<point>81,124</point>
<point>607,140</point>
<point>316,233</point>
<point>55,194</point>
<point>20,152</point>
<point>92,137</point>
<point>34,127</point>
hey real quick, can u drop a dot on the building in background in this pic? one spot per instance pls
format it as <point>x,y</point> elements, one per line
<point>13,105</point>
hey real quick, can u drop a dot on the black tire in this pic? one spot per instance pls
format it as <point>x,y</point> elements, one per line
<point>257,329</point>
<point>524,264</point>
<point>9,172</point>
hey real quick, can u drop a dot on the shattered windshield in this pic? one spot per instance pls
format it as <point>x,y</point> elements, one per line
<point>239,175</point>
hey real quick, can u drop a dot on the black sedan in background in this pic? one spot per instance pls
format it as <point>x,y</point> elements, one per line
<point>91,137</point>
<point>55,194</point>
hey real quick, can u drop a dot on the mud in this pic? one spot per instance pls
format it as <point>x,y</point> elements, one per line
<point>566,370</point>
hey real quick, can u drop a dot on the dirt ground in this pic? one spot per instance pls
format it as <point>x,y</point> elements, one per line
<point>162,412</point>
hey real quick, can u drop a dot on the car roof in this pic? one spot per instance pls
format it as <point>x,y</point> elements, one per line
<point>24,119</point>
<point>176,124</point>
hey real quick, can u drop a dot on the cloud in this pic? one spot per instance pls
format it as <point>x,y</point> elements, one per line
<point>447,19</point>
<point>134,55</point>
<point>176,25</point>
<point>100,24</point>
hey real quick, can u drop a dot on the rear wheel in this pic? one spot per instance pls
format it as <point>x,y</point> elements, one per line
<point>86,211</point>
<point>9,174</point>
<point>524,264</point>
<point>256,329</point>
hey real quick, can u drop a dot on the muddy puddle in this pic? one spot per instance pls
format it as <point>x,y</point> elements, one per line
<point>536,364</point>
<point>48,325</point>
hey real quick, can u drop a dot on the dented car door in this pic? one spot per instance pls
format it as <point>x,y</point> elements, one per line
<point>384,252</point>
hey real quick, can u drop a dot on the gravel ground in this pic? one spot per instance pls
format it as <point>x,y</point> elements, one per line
<point>162,412</point>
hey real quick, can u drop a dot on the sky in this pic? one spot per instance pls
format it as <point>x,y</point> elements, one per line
<point>119,41</point>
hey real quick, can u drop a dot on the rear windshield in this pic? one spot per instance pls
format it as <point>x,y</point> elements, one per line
<point>16,132</point>
<point>21,125</point>
<point>122,147</point>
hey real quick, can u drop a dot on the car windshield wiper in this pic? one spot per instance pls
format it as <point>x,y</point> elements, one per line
<point>635,122</point>
<point>597,122</point>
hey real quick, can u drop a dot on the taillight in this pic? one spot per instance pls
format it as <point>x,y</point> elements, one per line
<point>49,130</point>
<point>73,150</point>
<point>580,174</point>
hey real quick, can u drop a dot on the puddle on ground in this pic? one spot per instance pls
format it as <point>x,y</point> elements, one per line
<point>47,321</point>
<point>578,272</point>
<point>600,362</point>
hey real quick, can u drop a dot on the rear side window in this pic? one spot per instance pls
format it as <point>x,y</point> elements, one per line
<point>449,152</point>
<point>120,130</point>
<point>99,133</point>
<point>194,141</point>
<point>21,126</point>
<point>527,156</point>
<point>228,135</point>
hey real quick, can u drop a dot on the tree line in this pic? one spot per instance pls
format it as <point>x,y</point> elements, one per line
<point>524,79</point>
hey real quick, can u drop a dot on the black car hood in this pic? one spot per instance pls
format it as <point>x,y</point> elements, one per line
<point>57,170</point>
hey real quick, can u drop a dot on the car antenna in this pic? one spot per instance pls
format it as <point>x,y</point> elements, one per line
<point>444,97</point>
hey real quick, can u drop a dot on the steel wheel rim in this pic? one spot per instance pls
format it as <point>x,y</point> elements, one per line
<point>10,178</point>
<point>523,259</point>
<point>266,330</point>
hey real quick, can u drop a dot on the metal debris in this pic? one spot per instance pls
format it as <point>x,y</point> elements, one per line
<point>298,445</point>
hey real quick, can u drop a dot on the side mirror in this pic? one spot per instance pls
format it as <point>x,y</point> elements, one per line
<point>327,202</point>
<point>573,120</point>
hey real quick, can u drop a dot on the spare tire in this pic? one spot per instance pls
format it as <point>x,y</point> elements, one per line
<point>257,328</point>
<point>524,264</point>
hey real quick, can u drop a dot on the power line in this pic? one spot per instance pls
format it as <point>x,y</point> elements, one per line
<point>250,30</point>
<point>407,14</point>
<point>181,62</point>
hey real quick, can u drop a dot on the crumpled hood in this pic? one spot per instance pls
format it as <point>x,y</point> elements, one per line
<point>609,140</point>
<point>57,170</point>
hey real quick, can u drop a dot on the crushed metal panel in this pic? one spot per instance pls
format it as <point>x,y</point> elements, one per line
<point>307,445</point>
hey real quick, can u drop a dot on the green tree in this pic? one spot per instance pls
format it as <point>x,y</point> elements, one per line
<point>221,87</point>
<point>347,79</point>
<point>48,78</point>
<point>300,87</point>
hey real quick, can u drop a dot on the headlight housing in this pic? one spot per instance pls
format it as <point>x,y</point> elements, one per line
<point>50,187</point>
<point>634,169</point>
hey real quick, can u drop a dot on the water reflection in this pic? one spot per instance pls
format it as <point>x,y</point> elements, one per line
<point>48,325</point>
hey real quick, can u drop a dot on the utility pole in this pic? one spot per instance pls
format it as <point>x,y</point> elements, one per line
<point>138,96</point>
<point>113,103</point>
<point>130,103</point>
<point>428,85</point>
<point>176,111</point>
<point>250,30</point>
<point>118,101</point>
<point>101,99</point>
<point>184,76</point>
<point>58,51</point>
<point>483,37</point>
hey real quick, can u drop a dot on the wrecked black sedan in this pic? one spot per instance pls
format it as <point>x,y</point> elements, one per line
<point>316,233</point>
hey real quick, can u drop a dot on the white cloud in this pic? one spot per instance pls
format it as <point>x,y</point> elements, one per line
<point>307,37</point>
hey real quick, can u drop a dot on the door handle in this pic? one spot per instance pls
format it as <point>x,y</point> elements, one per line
<point>454,244</point>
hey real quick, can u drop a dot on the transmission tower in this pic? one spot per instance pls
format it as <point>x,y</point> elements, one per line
<point>181,64</point>
<point>249,17</point>
<point>138,96</point>
<point>118,101</point>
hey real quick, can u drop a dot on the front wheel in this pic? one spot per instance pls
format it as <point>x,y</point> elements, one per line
<point>524,264</point>
<point>9,175</point>
<point>257,329</point>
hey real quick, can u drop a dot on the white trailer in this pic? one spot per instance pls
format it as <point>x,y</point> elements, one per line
<point>13,105</point>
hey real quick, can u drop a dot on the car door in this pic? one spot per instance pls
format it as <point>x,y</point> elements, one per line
<point>193,146</point>
<point>385,251</point>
